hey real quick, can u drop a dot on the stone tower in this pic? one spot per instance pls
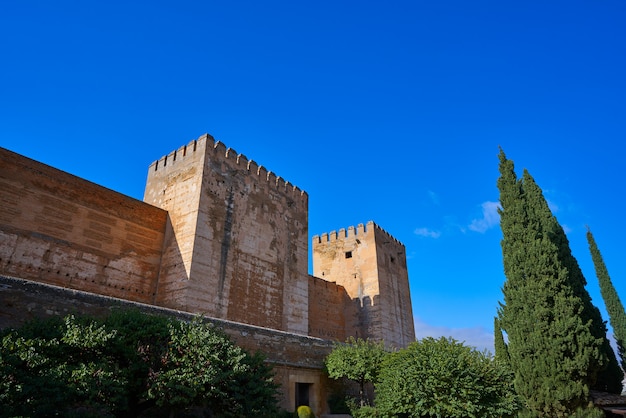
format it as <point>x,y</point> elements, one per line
<point>371,265</point>
<point>236,243</point>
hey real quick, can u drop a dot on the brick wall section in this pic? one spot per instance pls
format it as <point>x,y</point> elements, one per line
<point>296,358</point>
<point>330,308</point>
<point>60,229</point>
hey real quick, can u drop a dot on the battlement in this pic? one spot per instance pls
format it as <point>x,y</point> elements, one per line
<point>220,153</point>
<point>352,232</point>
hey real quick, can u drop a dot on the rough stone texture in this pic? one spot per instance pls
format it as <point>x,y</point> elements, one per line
<point>218,235</point>
<point>63,230</point>
<point>371,266</point>
<point>238,230</point>
<point>330,308</point>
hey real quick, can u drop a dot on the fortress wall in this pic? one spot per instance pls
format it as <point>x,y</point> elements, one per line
<point>394,297</point>
<point>261,251</point>
<point>245,232</point>
<point>59,229</point>
<point>329,306</point>
<point>295,358</point>
<point>173,184</point>
<point>219,235</point>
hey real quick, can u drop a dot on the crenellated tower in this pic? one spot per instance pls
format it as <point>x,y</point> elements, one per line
<point>371,265</point>
<point>218,235</point>
<point>236,243</point>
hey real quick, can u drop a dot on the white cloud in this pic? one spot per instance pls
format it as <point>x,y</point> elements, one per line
<point>478,337</point>
<point>490,218</point>
<point>433,197</point>
<point>425,232</point>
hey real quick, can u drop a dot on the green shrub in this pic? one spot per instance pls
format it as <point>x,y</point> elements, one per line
<point>305,412</point>
<point>127,364</point>
<point>338,404</point>
<point>357,411</point>
<point>444,378</point>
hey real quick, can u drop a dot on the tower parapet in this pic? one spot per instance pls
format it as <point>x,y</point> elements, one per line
<point>352,232</point>
<point>221,154</point>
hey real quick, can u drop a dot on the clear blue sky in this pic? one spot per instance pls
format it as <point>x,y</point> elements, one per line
<point>384,111</point>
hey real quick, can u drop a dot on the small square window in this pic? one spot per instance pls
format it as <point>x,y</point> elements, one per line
<point>348,254</point>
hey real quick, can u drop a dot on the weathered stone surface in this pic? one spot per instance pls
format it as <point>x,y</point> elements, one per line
<point>63,230</point>
<point>371,266</point>
<point>240,237</point>
<point>217,235</point>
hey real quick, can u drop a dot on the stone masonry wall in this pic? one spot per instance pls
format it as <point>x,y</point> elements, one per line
<point>60,229</point>
<point>242,233</point>
<point>219,236</point>
<point>330,309</point>
<point>394,299</point>
<point>371,266</point>
<point>348,257</point>
<point>174,184</point>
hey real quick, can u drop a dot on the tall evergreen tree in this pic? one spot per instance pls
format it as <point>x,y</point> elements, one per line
<point>612,302</point>
<point>609,376</point>
<point>553,353</point>
<point>501,351</point>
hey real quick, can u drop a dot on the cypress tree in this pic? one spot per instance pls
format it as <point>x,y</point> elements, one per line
<point>612,302</point>
<point>553,353</point>
<point>605,375</point>
<point>501,351</point>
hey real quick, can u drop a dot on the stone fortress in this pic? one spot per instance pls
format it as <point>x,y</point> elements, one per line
<point>218,235</point>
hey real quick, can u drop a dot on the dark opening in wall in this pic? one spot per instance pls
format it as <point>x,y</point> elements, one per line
<point>348,254</point>
<point>303,391</point>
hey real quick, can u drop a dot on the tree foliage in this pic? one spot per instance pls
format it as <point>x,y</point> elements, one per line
<point>128,363</point>
<point>202,366</point>
<point>501,350</point>
<point>358,360</point>
<point>555,343</point>
<point>605,375</point>
<point>444,378</point>
<point>68,367</point>
<point>612,302</point>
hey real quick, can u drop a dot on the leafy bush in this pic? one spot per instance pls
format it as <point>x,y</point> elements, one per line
<point>338,403</point>
<point>128,363</point>
<point>304,412</point>
<point>356,410</point>
<point>67,369</point>
<point>365,412</point>
<point>444,378</point>
<point>357,360</point>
